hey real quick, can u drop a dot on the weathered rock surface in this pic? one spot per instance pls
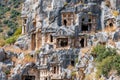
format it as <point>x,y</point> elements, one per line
<point>2,55</point>
<point>23,42</point>
<point>102,37</point>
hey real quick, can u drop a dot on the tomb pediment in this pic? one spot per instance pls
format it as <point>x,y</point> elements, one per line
<point>61,32</point>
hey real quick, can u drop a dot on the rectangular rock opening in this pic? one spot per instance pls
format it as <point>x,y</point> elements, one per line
<point>72,62</point>
<point>25,21</point>
<point>67,18</point>
<point>46,79</point>
<point>82,42</point>
<point>51,38</point>
<point>65,22</point>
<point>29,78</point>
<point>54,71</point>
<point>84,27</point>
<point>62,42</point>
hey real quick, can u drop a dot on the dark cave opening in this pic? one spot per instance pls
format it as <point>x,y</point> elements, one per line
<point>110,24</point>
<point>82,42</point>
<point>29,78</point>
<point>72,62</point>
<point>65,22</point>
<point>62,42</point>
<point>51,38</point>
<point>84,27</point>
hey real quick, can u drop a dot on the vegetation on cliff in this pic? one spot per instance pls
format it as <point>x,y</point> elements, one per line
<point>10,20</point>
<point>107,60</point>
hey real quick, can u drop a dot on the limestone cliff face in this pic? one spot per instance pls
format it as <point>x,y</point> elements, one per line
<point>48,15</point>
<point>40,11</point>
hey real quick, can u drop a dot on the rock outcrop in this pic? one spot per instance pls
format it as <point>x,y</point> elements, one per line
<point>2,55</point>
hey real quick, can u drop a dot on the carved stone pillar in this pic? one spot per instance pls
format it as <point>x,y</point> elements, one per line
<point>38,40</point>
<point>33,41</point>
<point>43,39</point>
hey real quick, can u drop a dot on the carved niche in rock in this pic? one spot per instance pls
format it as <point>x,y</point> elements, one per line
<point>62,42</point>
<point>67,18</point>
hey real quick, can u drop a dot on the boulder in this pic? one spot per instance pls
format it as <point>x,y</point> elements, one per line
<point>2,76</point>
<point>102,37</point>
<point>117,45</point>
<point>23,42</point>
<point>114,77</point>
<point>2,55</point>
<point>116,35</point>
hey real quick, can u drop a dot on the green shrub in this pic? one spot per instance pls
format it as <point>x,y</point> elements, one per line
<point>108,64</point>
<point>6,9</point>
<point>17,5</point>
<point>10,24</point>
<point>6,21</point>
<point>18,31</point>
<point>107,59</point>
<point>101,52</point>
<point>7,72</point>
<point>105,66</point>
<point>2,16</point>
<point>14,14</point>
<point>11,21</point>
<point>10,33</point>
<point>11,40</point>
<point>3,10</point>
<point>116,63</point>
<point>98,49</point>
